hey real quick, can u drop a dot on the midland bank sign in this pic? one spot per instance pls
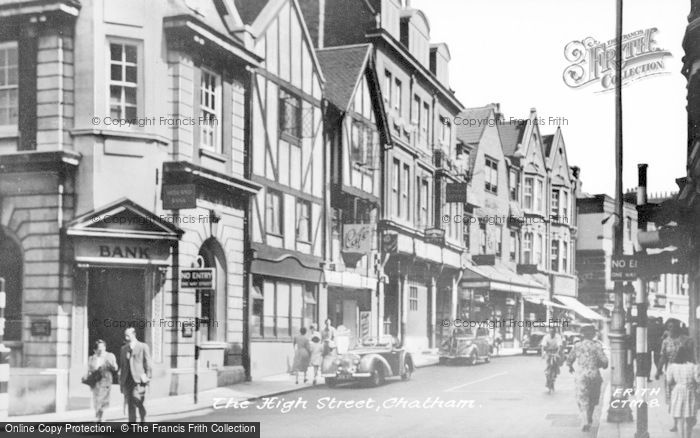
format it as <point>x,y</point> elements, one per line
<point>593,62</point>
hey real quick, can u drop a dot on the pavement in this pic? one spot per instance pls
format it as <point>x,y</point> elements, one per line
<point>174,407</point>
<point>659,421</point>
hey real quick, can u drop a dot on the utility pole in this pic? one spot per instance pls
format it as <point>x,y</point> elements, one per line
<point>643,358</point>
<point>618,411</point>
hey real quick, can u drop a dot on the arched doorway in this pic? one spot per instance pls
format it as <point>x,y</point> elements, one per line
<point>11,264</point>
<point>214,300</point>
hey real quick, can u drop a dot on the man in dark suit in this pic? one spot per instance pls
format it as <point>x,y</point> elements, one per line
<point>134,373</point>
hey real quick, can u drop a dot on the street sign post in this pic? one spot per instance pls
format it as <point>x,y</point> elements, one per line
<point>623,268</point>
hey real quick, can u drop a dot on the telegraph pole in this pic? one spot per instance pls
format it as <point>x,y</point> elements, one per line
<point>643,358</point>
<point>617,411</point>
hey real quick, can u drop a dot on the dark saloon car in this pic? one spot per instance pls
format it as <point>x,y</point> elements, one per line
<point>468,345</point>
<point>533,342</point>
<point>373,361</point>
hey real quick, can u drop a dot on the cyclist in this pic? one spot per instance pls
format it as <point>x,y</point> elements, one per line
<point>552,345</point>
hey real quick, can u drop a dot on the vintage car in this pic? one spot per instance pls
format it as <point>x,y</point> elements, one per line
<point>372,361</point>
<point>571,338</point>
<point>468,345</point>
<point>533,341</point>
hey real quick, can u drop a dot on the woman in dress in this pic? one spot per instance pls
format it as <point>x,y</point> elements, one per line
<point>682,376</point>
<point>302,354</point>
<point>104,364</point>
<point>589,358</point>
<point>672,342</point>
<point>316,353</point>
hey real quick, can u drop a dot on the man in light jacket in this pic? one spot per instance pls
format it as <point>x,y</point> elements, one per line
<point>135,373</point>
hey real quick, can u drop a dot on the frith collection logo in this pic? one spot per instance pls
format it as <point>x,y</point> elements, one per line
<point>593,62</point>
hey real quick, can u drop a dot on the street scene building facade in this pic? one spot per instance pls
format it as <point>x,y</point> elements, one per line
<point>310,155</point>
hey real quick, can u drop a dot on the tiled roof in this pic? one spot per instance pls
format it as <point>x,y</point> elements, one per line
<point>547,141</point>
<point>511,134</point>
<point>342,67</point>
<point>250,9</point>
<point>471,131</point>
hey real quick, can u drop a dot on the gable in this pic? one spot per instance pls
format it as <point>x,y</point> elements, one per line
<point>534,155</point>
<point>123,218</point>
<point>560,164</point>
<point>282,39</point>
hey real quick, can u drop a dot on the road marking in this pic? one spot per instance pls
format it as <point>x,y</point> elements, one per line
<point>475,381</point>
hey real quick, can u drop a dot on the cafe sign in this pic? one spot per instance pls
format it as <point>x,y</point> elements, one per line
<point>357,238</point>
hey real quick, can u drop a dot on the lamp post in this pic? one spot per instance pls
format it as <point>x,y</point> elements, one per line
<point>618,411</point>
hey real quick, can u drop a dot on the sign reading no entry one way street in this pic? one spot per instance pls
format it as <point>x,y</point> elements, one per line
<point>197,278</point>
<point>623,268</point>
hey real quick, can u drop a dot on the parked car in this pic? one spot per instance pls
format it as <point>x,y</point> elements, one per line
<point>571,338</point>
<point>533,342</point>
<point>372,361</point>
<point>468,345</point>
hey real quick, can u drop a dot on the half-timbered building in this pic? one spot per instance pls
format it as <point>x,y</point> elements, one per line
<point>288,217</point>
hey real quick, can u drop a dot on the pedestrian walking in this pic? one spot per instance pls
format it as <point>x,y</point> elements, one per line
<point>328,337</point>
<point>589,358</point>
<point>102,366</point>
<point>673,342</point>
<point>682,376</point>
<point>316,354</point>
<point>135,375</point>
<point>302,354</point>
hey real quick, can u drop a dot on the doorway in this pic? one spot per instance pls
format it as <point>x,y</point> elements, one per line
<point>116,300</point>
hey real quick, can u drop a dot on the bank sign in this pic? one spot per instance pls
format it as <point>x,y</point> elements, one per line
<point>593,62</point>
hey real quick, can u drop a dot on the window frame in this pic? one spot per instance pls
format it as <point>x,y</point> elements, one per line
<point>514,182</point>
<point>555,204</point>
<point>491,166</point>
<point>529,193</point>
<point>309,229</point>
<point>137,86</point>
<point>396,98</point>
<point>396,188</point>
<point>528,248</point>
<point>216,128</point>
<point>389,88</point>
<point>279,216</point>
<point>10,129</point>
<point>555,255</point>
<point>406,191</point>
<point>284,96</point>
<point>513,253</point>
<point>413,298</point>
<point>273,303</point>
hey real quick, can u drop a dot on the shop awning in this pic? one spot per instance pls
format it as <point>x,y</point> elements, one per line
<point>578,307</point>
<point>543,302</point>
<point>498,277</point>
<point>665,314</point>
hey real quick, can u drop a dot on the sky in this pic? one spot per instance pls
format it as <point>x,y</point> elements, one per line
<point>512,52</point>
